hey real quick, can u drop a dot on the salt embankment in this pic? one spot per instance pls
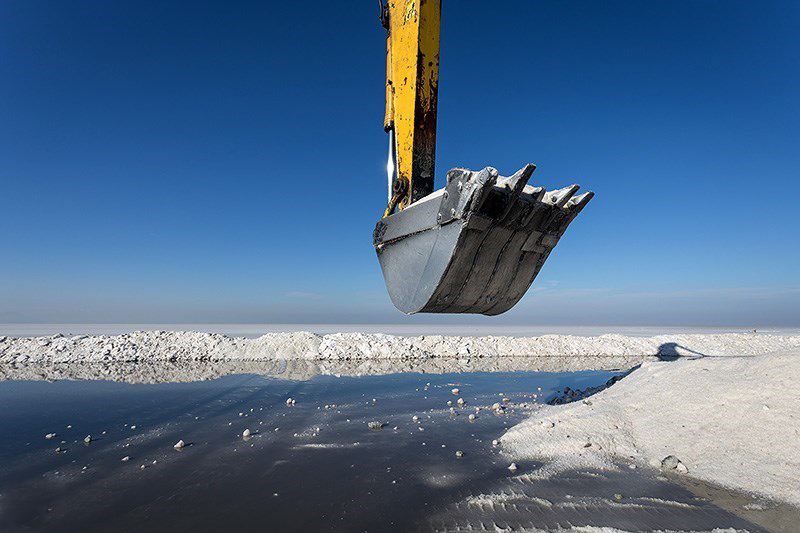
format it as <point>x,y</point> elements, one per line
<point>555,352</point>
<point>726,406</point>
<point>733,421</point>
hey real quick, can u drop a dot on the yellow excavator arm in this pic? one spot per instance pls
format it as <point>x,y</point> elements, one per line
<point>476,245</point>
<point>412,80</point>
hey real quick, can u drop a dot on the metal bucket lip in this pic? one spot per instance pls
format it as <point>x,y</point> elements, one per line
<point>410,220</point>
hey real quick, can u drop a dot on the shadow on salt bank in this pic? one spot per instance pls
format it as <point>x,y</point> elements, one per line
<point>672,351</point>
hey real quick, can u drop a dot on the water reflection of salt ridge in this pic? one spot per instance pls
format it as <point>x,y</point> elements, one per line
<point>302,370</point>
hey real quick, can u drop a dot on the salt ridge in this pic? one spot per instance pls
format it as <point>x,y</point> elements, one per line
<point>192,346</point>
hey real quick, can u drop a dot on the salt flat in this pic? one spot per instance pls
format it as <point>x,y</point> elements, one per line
<point>720,407</point>
<point>733,421</point>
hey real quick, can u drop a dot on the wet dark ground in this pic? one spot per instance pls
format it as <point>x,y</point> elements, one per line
<point>312,467</point>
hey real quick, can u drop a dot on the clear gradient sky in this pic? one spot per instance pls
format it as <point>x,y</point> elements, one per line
<point>168,161</point>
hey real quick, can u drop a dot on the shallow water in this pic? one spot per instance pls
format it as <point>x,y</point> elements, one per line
<point>307,467</point>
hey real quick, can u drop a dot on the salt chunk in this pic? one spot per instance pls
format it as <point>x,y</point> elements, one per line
<point>669,462</point>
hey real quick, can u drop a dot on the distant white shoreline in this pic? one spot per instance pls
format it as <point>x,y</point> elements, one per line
<point>404,330</point>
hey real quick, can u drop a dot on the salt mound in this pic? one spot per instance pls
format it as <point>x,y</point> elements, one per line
<point>730,420</point>
<point>144,346</point>
<point>604,351</point>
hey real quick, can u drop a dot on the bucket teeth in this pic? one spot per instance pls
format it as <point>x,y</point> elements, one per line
<point>483,184</point>
<point>536,193</point>
<point>477,245</point>
<point>514,185</point>
<point>576,203</point>
<point>517,181</point>
<point>560,197</point>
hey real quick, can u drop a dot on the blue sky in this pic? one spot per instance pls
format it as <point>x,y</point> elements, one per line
<point>225,161</point>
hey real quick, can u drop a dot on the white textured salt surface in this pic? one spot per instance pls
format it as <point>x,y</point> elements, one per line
<point>566,351</point>
<point>733,421</point>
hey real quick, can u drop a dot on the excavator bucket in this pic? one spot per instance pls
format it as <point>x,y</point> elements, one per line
<point>474,246</point>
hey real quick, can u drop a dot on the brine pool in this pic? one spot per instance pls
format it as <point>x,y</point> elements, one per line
<point>312,466</point>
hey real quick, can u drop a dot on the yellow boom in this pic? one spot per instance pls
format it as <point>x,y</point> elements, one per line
<point>412,80</point>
